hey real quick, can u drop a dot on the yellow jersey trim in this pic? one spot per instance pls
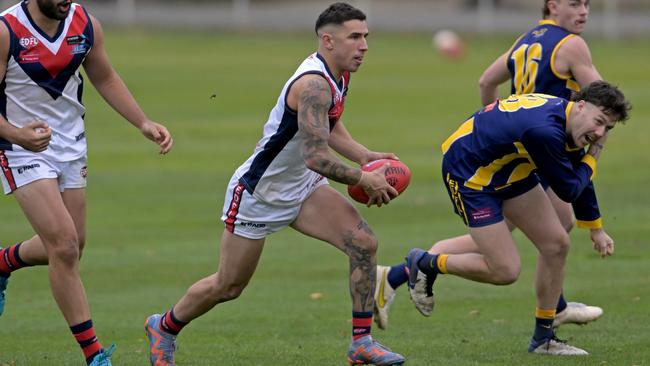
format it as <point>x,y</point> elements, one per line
<point>465,129</point>
<point>557,46</point>
<point>591,161</point>
<point>594,224</point>
<point>547,21</point>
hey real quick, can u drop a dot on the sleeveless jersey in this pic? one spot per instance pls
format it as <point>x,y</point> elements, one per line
<point>531,59</point>
<point>43,81</point>
<point>276,172</point>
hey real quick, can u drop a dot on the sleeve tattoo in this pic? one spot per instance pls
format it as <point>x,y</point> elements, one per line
<point>313,124</point>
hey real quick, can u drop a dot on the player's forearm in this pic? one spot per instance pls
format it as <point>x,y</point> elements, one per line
<point>351,150</point>
<point>327,165</point>
<point>118,96</point>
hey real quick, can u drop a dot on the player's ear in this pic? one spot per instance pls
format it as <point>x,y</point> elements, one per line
<point>328,40</point>
<point>552,6</point>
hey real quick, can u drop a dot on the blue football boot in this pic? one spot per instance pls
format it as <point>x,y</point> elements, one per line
<point>162,345</point>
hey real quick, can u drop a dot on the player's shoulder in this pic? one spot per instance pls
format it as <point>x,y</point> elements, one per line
<point>574,45</point>
<point>312,82</point>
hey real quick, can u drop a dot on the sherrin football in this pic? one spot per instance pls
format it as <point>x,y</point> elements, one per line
<point>398,175</point>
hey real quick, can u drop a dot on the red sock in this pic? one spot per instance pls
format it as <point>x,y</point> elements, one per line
<point>10,260</point>
<point>361,324</point>
<point>84,333</point>
<point>170,324</point>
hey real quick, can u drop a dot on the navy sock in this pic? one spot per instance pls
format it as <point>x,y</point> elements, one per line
<point>543,329</point>
<point>397,275</point>
<point>428,264</point>
<point>561,304</point>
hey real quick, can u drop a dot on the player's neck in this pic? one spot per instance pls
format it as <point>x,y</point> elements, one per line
<point>336,72</point>
<point>48,25</point>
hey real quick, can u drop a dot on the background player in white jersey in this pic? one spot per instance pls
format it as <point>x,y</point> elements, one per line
<point>284,184</point>
<point>552,59</point>
<point>43,146</point>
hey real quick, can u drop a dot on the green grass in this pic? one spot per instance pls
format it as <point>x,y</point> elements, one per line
<point>153,222</point>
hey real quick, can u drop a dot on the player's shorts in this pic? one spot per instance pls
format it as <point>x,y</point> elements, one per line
<point>70,174</point>
<point>246,216</point>
<point>544,183</point>
<point>482,208</point>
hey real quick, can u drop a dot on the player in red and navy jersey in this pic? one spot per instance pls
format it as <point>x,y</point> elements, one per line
<point>43,144</point>
<point>552,59</point>
<point>285,183</point>
<point>489,167</point>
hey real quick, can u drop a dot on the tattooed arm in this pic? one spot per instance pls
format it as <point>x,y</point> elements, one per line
<point>311,97</point>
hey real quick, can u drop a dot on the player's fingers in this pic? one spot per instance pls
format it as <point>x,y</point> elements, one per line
<point>166,147</point>
<point>392,192</point>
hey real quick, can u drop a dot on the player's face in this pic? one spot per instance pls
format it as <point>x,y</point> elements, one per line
<point>54,9</point>
<point>572,14</point>
<point>589,124</point>
<point>350,44</point>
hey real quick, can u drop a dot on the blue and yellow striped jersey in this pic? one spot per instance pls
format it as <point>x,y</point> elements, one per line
<point>531,62</point>
<point>511,138</point>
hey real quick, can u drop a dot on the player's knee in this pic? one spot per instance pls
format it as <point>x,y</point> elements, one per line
<point>506,274</point>
<point>64,249</point>
<point>363,243</point>
<point>231,292</point>
<point>556,247</point>
<point>225,290</point>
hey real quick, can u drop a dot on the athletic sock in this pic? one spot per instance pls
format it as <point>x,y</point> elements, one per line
<point>561,304</point>
<point>84,333</point>
<point>361,324</point>
<point>397,275</point>
<point>170,324</point>
<point>543,324</point>
<point>10,260</point>
<point>433,264</point>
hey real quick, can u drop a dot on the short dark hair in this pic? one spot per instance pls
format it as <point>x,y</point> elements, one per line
<point>545,11</point>
<point>338,13</point>
<point>606,96</point>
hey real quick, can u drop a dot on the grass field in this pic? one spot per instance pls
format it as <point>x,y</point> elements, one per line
<point>153,222</point>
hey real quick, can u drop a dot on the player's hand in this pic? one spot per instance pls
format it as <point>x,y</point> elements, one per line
<point>35,136</point>
<point>375,155</point>
<point>376,187</point>
<point>158,134</point>
<point>603,243</point>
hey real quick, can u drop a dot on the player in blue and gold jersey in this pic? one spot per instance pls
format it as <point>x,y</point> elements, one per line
<point>551,59</point>
<point>489,167</point>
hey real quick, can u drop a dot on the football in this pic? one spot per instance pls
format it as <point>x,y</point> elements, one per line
<point>449,44</point>
<point>398,175</point>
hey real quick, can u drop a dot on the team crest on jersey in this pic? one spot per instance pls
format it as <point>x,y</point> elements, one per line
<point>540,32</point>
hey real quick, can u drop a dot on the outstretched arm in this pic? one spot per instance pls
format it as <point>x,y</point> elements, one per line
<point>111,87</point>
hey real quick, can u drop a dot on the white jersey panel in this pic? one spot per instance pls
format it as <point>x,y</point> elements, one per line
<point>276,172</point>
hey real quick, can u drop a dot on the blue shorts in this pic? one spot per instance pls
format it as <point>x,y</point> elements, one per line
<point>482,208</point>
